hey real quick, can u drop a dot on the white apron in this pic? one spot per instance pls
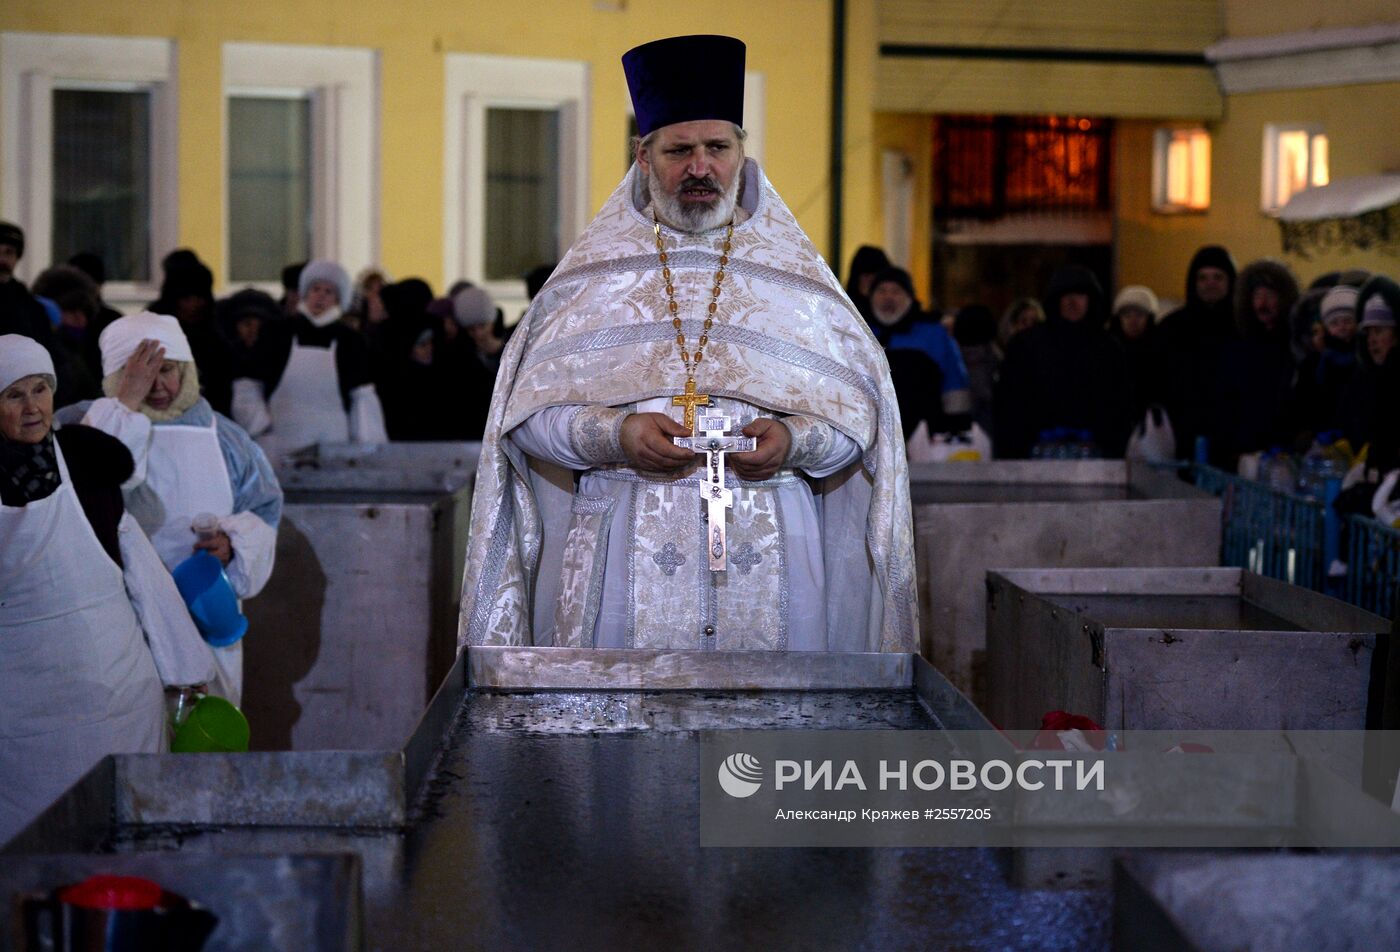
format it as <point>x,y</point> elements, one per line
<point>185,470</point>
<point>76,679</point>
<point>306,407</point>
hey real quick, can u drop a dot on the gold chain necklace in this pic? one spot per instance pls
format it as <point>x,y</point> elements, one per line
<point>690,399</point>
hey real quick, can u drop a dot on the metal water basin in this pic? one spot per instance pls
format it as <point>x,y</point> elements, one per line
<point>1176,649</point>
<point>972,517</point>
<point>358,624</point>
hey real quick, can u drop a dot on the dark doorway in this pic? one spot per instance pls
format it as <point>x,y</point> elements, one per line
<point>997,274</point>
<point>1016,197</point>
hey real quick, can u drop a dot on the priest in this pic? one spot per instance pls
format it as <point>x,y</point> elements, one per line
<point>693,441</point>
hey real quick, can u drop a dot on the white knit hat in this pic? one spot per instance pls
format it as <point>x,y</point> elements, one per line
<point>473,306</point>
<point>22,357</point>
<point>121,338</point>
<point>1138,296</point>
<point>1337,302</point>
<point>331,273</point>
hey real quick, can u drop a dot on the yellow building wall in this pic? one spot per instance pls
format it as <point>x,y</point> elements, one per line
<point>1161,25</point>
<point>1362,123</point>
<point>789,41</point>
<point>862,219</point>
<point>1259,18</point>
<point>911,134</point>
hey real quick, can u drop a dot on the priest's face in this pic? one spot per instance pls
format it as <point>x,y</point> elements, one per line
<point>693,171</point>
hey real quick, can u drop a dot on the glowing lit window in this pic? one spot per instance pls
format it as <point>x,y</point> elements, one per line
<point>1181,170</point>
<point>1295,158</point>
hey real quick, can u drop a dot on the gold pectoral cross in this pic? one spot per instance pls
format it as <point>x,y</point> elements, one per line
<point>690,400</point>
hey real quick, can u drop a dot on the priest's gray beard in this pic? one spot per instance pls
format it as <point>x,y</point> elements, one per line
<point>694,218</point>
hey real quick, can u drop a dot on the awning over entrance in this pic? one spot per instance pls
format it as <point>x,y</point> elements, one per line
<point>1113,58</point>
<point>1352,213</point>
<point>1343,198</point>
<point>944,84</point>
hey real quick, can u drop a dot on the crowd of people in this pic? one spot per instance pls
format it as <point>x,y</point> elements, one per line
<point>332,360</point>
<point>1249,364</point>
<point>132,443</point>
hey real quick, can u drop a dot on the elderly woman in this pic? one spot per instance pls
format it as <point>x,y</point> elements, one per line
<point>310,381</point>
<point>77,681</point>
<point>189,461</point>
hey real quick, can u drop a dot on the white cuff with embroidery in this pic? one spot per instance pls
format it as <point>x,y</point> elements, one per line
<point>595,434</point>
<point>818,448</point>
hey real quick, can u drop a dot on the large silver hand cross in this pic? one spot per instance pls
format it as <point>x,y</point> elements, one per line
<point>711,438</point>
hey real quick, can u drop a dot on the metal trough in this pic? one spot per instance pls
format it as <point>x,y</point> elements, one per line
<point>358,624</point>
<point>1208,902</point>
<point>971,517</point>
<point>519,813</point>
<point>554,791</point>
<point>1176,649</point>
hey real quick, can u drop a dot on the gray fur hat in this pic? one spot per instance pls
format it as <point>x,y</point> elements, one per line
<point>327,271</point>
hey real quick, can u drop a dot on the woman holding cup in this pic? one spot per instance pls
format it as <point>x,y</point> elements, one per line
<point>200,482</point>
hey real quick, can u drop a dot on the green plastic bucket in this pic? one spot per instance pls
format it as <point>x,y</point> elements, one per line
<point>214,726</point>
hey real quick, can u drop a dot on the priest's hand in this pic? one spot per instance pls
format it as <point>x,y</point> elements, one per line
<point>774,441</point>
<point>646,439</point>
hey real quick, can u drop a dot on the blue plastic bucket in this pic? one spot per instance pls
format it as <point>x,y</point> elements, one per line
<point>213,606</point>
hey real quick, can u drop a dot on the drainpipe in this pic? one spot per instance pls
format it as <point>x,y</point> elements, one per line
<point>836,162</point>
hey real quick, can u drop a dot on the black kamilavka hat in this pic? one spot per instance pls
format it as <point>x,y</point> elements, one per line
<point>685,78</point>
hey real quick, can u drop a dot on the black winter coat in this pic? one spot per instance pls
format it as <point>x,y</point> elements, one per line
<point>1061,374</point>
<point>99,464</point>
<point>1359,409</point>
<point>1252,400</point>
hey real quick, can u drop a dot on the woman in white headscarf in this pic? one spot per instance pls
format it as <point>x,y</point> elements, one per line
<point>189,461</point>
<point>310,380</point>
<point>77,681</point>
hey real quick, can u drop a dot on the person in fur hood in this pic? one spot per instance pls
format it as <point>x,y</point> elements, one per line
<point>1190,340</point>
<point>1250,399</point>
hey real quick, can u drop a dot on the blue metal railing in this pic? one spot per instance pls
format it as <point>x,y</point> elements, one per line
<point>1373,565</point>
<point>1298,540</point>
<point>1267,531</point>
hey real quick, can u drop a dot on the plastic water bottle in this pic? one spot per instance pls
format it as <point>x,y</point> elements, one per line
<point>205,526</point>
<point>1325,460</point>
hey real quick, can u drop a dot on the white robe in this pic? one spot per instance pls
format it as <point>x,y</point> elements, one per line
<point>616,559</point>
<point>643,601</point>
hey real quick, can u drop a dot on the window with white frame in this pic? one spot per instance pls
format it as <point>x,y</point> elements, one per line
<point>516,164</point>
<point>269,184</point>
<point>1295,158</point>
<point>88,133</point>
<point>522,190</point>
<point>897,172</point>
<point>301,160</point>
<point>102,177</point>
<point>1181,170</point>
